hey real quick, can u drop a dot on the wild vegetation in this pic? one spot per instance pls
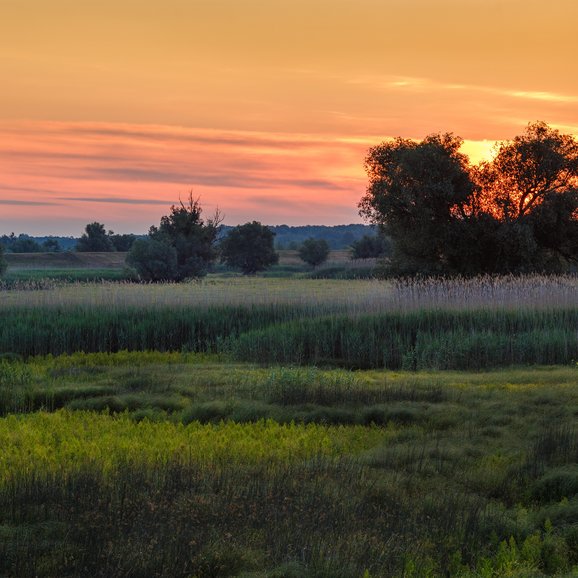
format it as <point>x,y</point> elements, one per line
<point>198,467</point>
<point>356,324</point>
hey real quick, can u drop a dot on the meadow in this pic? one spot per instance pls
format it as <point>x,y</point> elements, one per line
<point>290,427</point>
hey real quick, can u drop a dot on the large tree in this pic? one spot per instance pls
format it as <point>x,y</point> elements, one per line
<point>416,192</point>
<point>192,237</point>
<point>250,248</point>
<point>516,213</point>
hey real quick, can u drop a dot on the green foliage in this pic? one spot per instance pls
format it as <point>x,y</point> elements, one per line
<point>153,260</point>
<point>413,192</point>
<point>95,239</point>
<point>314,251</point>
<point>249,248</point>
<point>474,324</point>
<point>192,238</point>
<point>371,247</point>
<point>122,242</point>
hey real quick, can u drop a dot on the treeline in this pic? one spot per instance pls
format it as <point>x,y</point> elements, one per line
<point>338,237</point>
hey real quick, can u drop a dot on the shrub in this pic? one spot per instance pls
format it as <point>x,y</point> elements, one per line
<point>153,260</point>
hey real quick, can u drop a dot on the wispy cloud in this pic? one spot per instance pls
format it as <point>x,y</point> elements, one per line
<point>20,203</point>
<point>120,172</point>
<point>114,200</point>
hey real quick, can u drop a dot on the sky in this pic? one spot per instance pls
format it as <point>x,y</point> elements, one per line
<point>113,110</point>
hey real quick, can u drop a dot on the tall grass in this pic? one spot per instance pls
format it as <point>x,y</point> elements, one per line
<point>445,325</point>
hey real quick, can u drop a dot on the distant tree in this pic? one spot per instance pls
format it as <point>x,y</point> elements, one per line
<point>250,248</point>
<point>3,264</point>
<point>51,246</point>
<point>95,239</point>
<point>153,260</point>
<point>122,243</point>
<point>193,238</point>
<point>314,251</point>
<point>24,244</point>
<point>370,246</point>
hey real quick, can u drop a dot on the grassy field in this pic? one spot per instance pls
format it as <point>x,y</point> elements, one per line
<point>290,427</point>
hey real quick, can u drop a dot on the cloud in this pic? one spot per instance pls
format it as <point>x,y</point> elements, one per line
<point>17,202</point>
<point>117,200</point>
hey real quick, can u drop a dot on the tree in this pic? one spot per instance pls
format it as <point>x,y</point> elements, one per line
<point>370,247</point>
<point>314,251</point>
<point>250,248</point>
<point>153,260</point>
<point>528,169</point>
<point>192,238</point>
<point>95,239</point>
<point>122,243</point>
<point>51,246</point>
<point>26,244</point>
<point>516,213</point>
<point>3,264</point>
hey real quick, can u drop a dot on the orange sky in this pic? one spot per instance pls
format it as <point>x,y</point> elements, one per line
<point>111,109</point>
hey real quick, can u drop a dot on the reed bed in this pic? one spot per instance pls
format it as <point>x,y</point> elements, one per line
<point>361,296</point>
<point>444,324</point>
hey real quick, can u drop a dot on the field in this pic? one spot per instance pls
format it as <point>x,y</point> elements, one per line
<point>290,427</point>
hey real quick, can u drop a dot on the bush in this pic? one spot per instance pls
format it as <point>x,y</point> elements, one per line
<point>153,260</point>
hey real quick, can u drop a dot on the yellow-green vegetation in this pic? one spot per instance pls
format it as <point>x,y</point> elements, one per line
<point>195,466</point>
<point>64,442</point>
<point>247,427</point>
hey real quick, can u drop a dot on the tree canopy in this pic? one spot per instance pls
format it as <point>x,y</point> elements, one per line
<point>192,237</point>
<point>250,248</point>
<point>314,251</point>
<point>153,260</point>
<point>515,213</point>
<point>95,239</point>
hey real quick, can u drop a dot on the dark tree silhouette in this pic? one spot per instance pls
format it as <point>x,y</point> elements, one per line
<point>192,237</point>
<point>95,239</point>
<point>250,248</point>
<point>153,260</point>
<point>370,247</point>
<point>516,213</point>
<point>314,251</point>
<point>3,264</point>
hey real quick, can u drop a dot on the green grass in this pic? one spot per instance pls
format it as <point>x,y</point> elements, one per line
<point>397,473</point>
<point>292,334</point>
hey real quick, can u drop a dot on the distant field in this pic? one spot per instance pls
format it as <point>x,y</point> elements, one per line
<point>117,260</point>
<point>69,260</point>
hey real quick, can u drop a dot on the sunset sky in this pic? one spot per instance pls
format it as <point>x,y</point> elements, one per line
<point>112,109</point>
